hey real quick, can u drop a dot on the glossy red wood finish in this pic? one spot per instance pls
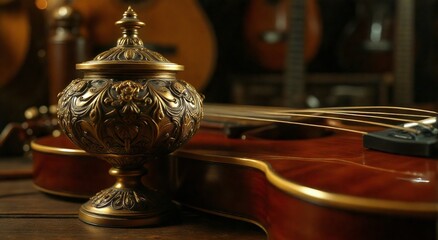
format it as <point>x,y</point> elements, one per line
<point>209,174</point>
<point>245,193</point>
<point>334,164</point>
<point>337,163</point>
<point>71,175</point>
<point>70,172</point>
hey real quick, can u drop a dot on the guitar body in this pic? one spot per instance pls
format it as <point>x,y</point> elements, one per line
<point>266,29</point>
<point>328,187</point>
<point>323,188</point>
<point>178,29</point>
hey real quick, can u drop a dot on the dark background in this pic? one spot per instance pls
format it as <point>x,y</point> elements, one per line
<point>226,16</point>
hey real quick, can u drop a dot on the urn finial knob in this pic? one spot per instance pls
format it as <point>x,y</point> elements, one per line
<point>130,25</point>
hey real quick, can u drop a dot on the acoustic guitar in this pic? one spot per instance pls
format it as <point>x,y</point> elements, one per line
<point>267,28</point>
<point>14,39</point>
<point>326,185</point>
<point>178,29</point>
<point>23,76</point>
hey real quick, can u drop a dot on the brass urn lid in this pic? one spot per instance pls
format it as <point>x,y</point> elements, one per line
<point>130,53</point>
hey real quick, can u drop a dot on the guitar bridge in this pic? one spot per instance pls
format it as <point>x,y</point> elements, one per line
<point>422,142</point>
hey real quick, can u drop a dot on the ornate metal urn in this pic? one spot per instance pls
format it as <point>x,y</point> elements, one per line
<point>128,109</point>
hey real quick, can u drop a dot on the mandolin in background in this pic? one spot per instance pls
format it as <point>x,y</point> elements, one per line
<point>367,41</point>
<point>23,76</point>
<point>178,29</point>
<point>266,31</point>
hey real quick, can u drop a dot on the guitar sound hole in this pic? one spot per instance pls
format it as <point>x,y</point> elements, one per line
<point>280,131</point>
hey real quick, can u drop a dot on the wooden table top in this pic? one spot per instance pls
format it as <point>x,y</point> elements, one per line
<point>26,213</point>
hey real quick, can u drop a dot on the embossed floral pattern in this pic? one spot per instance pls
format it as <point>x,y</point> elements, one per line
<point>127,96</point>
<point>120,199</point>
<point>130,116</point>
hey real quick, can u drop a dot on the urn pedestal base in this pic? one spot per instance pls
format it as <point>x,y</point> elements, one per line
<point>128,204</point>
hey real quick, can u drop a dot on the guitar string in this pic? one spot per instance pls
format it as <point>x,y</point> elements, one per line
<point>364,116</point>
<point>267,119</point>
<point>374,107</point>
<point>327,110</point>
<point>371,113</point>
<point>224,106</point>
<point>283,121</point>
<point>223,112</point>
<point>226,109</point>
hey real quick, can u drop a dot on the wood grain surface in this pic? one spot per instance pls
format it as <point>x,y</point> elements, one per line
<point>26,213</point>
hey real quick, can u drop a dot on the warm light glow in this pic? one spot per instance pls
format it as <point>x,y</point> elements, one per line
<point>41,4</point>
<point>63,11</point>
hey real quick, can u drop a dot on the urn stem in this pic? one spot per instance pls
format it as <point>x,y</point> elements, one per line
<point>127,178</point>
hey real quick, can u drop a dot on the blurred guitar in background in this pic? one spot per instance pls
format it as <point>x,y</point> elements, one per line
<point>178,29</point>
<point>23,79</point>
<point>266,31</point>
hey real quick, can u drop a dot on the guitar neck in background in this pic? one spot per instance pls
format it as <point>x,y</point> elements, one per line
<point>294,83</point>
<point>404,54</point>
